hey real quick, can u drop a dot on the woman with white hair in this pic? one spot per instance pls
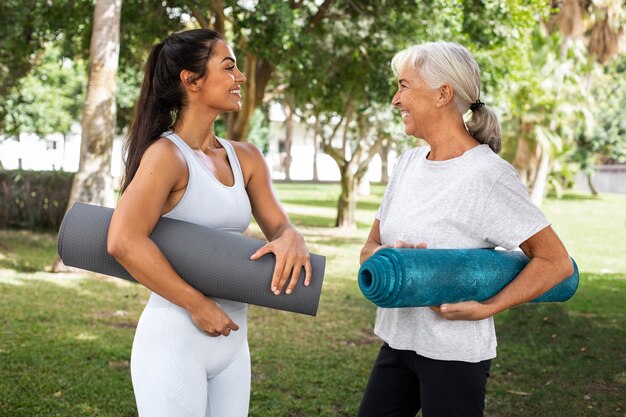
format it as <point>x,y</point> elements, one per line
<point>454,193</point>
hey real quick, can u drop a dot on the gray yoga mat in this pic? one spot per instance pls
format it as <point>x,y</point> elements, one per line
<point>212,261</point>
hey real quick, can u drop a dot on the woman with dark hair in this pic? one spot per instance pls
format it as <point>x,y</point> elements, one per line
<point>190,354</point>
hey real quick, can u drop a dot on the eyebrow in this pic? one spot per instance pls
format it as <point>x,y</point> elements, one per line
<point>229,58</point>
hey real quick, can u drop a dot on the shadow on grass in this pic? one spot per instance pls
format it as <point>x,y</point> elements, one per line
<point>308,220</point>
<point>59,356</point>
<point>64,352</point>
<point>562,359</point>
<point>361,204</point>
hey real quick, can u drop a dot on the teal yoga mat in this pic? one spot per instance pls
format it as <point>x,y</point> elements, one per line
<point>215,262</point>
<point>431,277</point>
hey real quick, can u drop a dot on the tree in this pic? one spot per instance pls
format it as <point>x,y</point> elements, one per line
<point>27,30</point>
<point>93,182</point>
<point>342,76</point>
<point>606,143</point>
<point>47,100</point>
<point>551,102</point>
<point>262,34</point>
<point>548,105</point>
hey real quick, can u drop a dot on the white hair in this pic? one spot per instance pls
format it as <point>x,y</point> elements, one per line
<point>439,63</point>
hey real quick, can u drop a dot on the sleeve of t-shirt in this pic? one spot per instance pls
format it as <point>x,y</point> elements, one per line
<point>510,217</point>
<point>390,187</point>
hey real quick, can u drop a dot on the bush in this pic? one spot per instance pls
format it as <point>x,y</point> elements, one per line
<point>34,199</point>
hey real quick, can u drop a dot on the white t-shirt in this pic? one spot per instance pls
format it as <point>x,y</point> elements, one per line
<point>473,201</point>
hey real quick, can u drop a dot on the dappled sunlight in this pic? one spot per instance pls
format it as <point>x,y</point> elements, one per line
<point>86,336</point>
<point>10,276</point>
<point>61,279</point>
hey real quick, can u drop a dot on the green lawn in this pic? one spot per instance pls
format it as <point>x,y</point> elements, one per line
<point>65,340</point>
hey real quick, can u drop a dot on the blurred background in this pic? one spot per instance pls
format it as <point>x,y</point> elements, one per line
<point>317,103</point>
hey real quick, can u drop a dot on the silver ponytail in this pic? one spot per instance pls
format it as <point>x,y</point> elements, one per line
<point>483,125</point>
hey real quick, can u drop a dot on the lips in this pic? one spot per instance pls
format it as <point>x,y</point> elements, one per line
<point>404,114</point>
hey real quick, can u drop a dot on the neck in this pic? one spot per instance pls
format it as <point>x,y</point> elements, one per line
<point>449,141</point>
<point>196,129</point>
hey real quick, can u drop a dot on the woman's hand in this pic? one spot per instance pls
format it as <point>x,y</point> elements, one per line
<point>210,318</point>
<point>465,310</point>
<point>291,256</point>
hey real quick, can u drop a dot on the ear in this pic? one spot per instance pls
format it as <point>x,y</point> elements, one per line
<point>446,95</point>
<point>189,80</point>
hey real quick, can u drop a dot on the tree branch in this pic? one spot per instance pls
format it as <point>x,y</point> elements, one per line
<point>321,13</point>
<point>201,18</point>
<point>217,7</point>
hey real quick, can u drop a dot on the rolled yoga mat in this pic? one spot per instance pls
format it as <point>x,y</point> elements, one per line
<point>212,261</point>
<point>431,277</point>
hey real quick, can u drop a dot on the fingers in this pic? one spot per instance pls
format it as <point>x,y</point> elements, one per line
<point>277,278</point>
<point>308,272</point>
<point>263,250</point>
<point>226,329</point>
<point>290,271</point>
<point>295,275</point>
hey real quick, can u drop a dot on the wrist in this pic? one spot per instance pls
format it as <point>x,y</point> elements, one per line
<point>193,300</point>
<point>491,308</point>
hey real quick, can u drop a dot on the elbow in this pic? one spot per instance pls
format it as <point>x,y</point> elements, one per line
<point>364,255</point>
<point>116,246</point>
<point>565,268</point>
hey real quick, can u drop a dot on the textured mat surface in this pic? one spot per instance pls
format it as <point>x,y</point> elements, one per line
<point>212,261</point>
<point>431,277</point>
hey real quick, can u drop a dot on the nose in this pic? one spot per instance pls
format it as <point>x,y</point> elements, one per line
<point>241,78</point>
<point>395,100</point>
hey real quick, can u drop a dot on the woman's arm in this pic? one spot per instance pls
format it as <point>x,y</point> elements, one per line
<point>373,244</point>
<point>284,240</point>
<point>162,171</point>
<point>549,264</point>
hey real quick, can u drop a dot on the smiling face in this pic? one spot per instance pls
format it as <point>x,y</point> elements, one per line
<point>416,102</point>
<point>220,88</point>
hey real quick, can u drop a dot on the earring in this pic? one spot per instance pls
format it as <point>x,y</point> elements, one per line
<point>197,88</point>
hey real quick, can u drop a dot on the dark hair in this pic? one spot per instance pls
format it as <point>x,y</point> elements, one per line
<point>162,95</point>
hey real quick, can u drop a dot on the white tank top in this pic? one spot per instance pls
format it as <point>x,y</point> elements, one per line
<point>208,202</point>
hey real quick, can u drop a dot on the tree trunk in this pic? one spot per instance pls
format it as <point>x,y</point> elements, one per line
<point>93,182</point>
<point>346,206</point>
<point>384,161</point>
<point>592,188</point>
<point>541,179</point>
<point>63,152</point>
<point>316,145</point>
<point>288,142</point>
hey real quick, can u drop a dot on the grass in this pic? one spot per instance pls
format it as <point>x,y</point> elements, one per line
<point>65,340</point>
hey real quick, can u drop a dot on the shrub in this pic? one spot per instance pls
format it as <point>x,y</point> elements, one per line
<point>33,199</point>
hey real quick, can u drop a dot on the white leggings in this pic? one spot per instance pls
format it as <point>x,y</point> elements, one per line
<point>180,371</point>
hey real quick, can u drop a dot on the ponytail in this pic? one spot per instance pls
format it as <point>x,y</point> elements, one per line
<point>149,121</point>
<point>162,95</point>
<point>483,125</point>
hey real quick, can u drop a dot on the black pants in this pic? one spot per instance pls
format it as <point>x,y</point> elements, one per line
<point>403,382</point>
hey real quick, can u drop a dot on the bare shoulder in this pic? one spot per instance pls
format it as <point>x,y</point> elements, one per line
<point>164,153</point>
<point>164,163</point>
<point>248,154</point>
<point>247,150</point>
<point>250,158</point>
